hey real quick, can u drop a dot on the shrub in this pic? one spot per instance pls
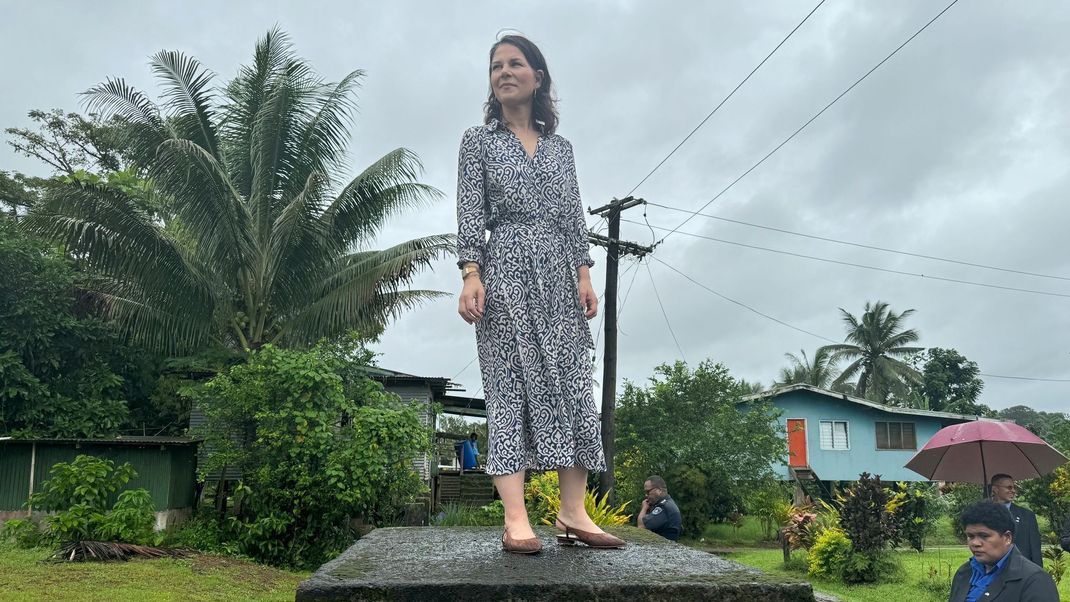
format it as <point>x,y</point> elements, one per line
<point>915,508</point>
<point>828,556</point>
<point>703,494</point>
<point>79,493</point>
<point>23,532</point>
<point>132,518</point>
<point>870,525</point>
<point>771,504</point>
<point>314,449</point>
<point>203,533</point>
<point>864,515</point>
<point>871,567</point>
<point>543,494</point>
<point>799,530</point>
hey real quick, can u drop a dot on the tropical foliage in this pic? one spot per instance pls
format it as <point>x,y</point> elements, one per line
<point>79,494</point>
<point>688,426</point>
<point>819,372</point>
<point>879,349</point>
<point>949,383</point>
<point>543,495</point>
<point>311,457</point>
<point>258,238</point>
<point>63,373</point>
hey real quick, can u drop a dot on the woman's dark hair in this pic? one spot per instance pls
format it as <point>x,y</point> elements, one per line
<point>544,109</point>
<point>990,514</point>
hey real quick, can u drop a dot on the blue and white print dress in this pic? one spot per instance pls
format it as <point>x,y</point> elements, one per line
<point>533,339</point>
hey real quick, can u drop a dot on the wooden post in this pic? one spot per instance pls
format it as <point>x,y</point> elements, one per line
<point>614,246</point>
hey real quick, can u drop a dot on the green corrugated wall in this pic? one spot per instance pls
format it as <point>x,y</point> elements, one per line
<point>166,471</point>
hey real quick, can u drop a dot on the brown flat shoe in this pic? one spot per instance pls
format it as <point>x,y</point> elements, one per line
<point>603,541</point>
<point>532,545</point>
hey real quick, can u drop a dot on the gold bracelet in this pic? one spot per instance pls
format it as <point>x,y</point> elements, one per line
<point>468,271</point>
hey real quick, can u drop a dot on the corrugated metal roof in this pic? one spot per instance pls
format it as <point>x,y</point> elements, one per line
<point>119,440</point>
<point>858,400</point>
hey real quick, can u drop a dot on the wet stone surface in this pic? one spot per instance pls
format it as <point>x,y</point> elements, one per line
<point>453,563</point>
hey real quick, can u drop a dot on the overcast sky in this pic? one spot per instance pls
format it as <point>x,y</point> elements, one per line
<point>958,147</point>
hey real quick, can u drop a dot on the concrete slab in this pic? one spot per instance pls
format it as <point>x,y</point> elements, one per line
<point>455,563</point>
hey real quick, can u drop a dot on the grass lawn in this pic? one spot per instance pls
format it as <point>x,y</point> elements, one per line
<point>24,578</point>
<point>911,585</point>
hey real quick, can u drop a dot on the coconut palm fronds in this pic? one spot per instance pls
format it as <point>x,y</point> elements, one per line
<point>98,551</point>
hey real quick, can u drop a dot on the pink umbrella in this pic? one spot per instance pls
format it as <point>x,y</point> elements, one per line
<point>975,451</point>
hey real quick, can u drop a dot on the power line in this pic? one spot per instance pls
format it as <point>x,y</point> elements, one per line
<point>863,266</point>
<point>744,305</point>
<point>725,99</point>
<point>664,313</point>
<point>601,314</point>
<point>783,323</point>
<point>628,292</point>
<point>466,366</point>
<point>855,244</point>
<point>1046,380</point>
<point>812,119</point>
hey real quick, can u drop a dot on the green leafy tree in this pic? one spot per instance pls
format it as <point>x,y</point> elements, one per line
<point>819,372</point>
<point>63,373</point>
<point>877,347</point>
<point>688,426</point>
<point>311,458</point>
<point>70,142</point>
<point>274,244</point>
<point>18,193</point>
<point>950,383</point>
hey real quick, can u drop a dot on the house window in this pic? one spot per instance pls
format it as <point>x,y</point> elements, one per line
<point>834,434</point>
<point>896,435</point>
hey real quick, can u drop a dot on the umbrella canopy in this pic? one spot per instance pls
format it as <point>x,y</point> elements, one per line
<point>975,451</point>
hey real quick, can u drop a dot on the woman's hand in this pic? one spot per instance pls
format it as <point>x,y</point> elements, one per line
<point>470,305</point>
<point>588,298</point>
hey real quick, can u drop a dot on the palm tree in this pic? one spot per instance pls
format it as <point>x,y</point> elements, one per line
<point>267,244</point>
<point>878,347</point>
<point>819,373</point>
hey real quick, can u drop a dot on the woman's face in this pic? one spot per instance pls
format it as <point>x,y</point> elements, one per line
<point>512,79</point>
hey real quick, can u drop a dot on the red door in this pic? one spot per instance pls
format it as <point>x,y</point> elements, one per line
<point>797,443</point>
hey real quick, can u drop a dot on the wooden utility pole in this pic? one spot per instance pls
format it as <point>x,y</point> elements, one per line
<point>614,248</point>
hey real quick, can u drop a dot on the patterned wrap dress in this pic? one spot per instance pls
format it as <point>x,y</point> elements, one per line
<point>533,338</point>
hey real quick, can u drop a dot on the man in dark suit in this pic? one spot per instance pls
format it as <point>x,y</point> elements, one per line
<point>998,572</point>
<point>1027,534</point>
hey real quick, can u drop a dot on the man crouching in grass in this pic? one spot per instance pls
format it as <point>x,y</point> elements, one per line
<point>998,571</point>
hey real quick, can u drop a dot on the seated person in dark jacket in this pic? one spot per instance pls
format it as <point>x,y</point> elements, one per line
<point>998,571</point>
<point>659,513</point>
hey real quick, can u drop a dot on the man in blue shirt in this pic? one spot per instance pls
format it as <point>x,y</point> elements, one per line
<point>469,451</point>
<point>659,513</point>
<point>997,571</point>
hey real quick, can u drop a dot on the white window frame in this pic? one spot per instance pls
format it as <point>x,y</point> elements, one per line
<point>832,423</point>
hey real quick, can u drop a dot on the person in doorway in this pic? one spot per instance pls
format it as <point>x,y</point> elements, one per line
<point>470,452</point>
<point>659,513</point>
<point>1004,492</point>
<point>998,570</point>
<point>527,289</point>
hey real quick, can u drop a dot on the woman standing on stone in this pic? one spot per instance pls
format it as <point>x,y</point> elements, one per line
<point>527,288</point>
